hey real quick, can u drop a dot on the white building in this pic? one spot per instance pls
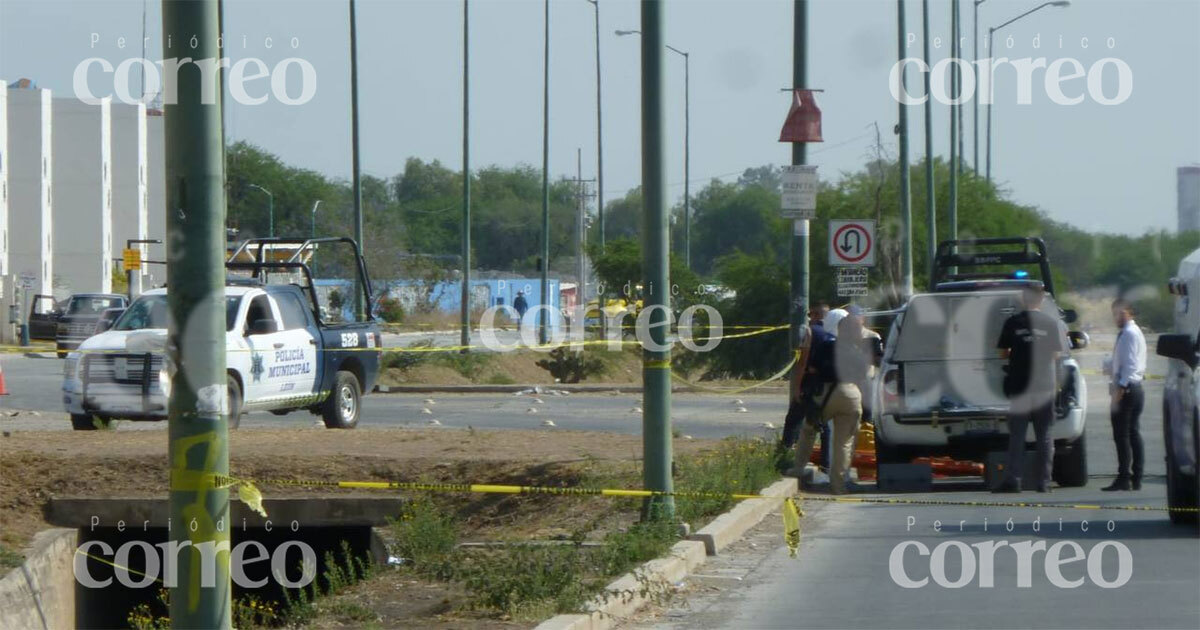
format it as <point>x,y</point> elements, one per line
<point>3,193</point>
<point>82,192</point>
<point>1188,187</point>
<point>30,179</point>
<point>130,215</point>
<point>156,190</point>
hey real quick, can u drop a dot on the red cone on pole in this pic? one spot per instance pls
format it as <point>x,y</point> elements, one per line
<point>803,122</point>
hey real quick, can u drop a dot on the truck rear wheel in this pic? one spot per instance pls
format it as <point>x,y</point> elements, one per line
<point>1182,493</point>
<point>1070,468</point>
<point>88,422</point>
<point>342,408</point>
<point>234,392</point>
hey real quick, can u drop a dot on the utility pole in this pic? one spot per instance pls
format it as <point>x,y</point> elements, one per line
<point>656,247</point>
<point>356,174</point>
<point>198,425</point>
<point>800,228</point>
<point>465,337</point>
<point>581,259</point>
<point>687,155</point>
<point>958,77</point>
<point>955,112</point>
<point>930,198</point>
<point>906,252</point>
<point>544,310</point>
<point>975,97</point>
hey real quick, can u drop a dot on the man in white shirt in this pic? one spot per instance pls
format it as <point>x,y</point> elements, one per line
<point>1128,369</point>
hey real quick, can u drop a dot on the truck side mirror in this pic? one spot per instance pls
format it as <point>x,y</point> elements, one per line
<point>264,327</point>
<point>1178,347</point>
<point>1070,316</point>
<point>1079,339</point>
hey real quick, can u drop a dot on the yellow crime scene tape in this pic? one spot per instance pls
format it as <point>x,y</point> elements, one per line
<point>418,349</point>
<point>249,493</point>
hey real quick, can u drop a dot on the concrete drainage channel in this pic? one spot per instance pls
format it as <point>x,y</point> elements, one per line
<point>44,592</point>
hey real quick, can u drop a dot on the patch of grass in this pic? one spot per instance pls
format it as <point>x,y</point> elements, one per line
<point>352,611</point>
<point>500,379</point>
<point>571,366</point>
<point>737,465</point>
<point>470,364</point>
<point>427,539</point>
<point>340,573</point>
<point>10,559</point>
<point>401,360</point>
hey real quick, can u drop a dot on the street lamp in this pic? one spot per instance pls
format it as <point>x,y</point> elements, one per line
<point>687,209</point>
<point>270,209</point>
<point>991,82</point>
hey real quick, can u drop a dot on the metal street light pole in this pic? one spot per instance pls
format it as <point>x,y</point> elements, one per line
<point>930,192</point>
<point>465,299</point>
<point>955,112</point>
<point>991,83</point>
<point>687,205</point>
<point>198,420</point>
<point>975,97</point>
<point>687,158</point>
<point>544,310</point>
<point>355,165</point>
<point>906,253</point>
<point>316,204</point>
<point>270,209</point>
<point>656,355</point>
<point>599,170</point>
<point>958,77</point>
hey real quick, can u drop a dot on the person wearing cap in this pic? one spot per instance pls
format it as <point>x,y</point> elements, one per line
<point>520,305</point>
<point>873,347</point>
<point>1031,342</point>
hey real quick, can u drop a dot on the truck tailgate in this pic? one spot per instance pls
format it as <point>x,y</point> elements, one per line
<point>973,383</point>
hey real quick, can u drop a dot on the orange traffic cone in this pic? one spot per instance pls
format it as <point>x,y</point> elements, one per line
<point>3,387</point>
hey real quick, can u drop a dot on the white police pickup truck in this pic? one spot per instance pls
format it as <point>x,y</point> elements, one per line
<point>1181,394</point>
<point>938,389</point>
<point>280,356</point>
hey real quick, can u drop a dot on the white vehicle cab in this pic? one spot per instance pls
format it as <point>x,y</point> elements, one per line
<point>939,388</point>
<point>1181,394</point>
<point>280,356</point>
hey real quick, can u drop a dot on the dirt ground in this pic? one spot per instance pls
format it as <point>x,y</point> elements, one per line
<point>37,465</point>
<point>518,367</point>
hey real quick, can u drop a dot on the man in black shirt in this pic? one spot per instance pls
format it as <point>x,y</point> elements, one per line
<point>1031,341</point>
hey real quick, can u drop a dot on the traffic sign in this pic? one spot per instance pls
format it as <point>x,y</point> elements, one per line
<point>27,280</point>
<point>852,282</point>
<point>132,259</point>
<point>852,243</point>
<point>798,198</point>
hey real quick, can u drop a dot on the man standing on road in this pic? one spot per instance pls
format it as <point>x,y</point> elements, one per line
<point>520,305</point>
<point>800,374</point>
<point>1128,368</point>
<point>1031,341</point>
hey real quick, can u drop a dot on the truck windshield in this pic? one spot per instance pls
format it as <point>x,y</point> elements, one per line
<point>92,305</point>
<point>150,311</point>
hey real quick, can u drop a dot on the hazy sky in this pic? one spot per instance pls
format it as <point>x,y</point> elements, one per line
<point>1102,167</point>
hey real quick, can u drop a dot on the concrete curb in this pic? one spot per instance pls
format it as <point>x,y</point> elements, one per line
<point>41,592</point>
<point>730,526</point>
<point>683,558</point>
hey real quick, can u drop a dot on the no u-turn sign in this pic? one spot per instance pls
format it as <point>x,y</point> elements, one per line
<point>852,243</point>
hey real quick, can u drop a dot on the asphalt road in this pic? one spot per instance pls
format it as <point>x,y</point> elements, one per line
<point>842,576</point>
<point>35,384</point>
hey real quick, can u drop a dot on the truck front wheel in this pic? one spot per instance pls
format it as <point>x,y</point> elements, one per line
<point>234,392</point>
<point>342,408</point>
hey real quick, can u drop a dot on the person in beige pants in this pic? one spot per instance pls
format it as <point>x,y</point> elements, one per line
<point>845,410</point>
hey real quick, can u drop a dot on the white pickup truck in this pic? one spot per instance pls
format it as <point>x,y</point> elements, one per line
<point>1181,394</point>
<point>280,357</point>
<point>939,387</point>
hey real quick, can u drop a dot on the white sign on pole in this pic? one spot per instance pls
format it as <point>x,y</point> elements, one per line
<point>27,280</point>
<point>852,243</point>
<point>799,191</point>
<point>852,282</point>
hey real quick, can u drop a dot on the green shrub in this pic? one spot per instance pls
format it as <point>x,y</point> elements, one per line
<point>427,539</point>
<point>571,366</point>
<point>390,310</point>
